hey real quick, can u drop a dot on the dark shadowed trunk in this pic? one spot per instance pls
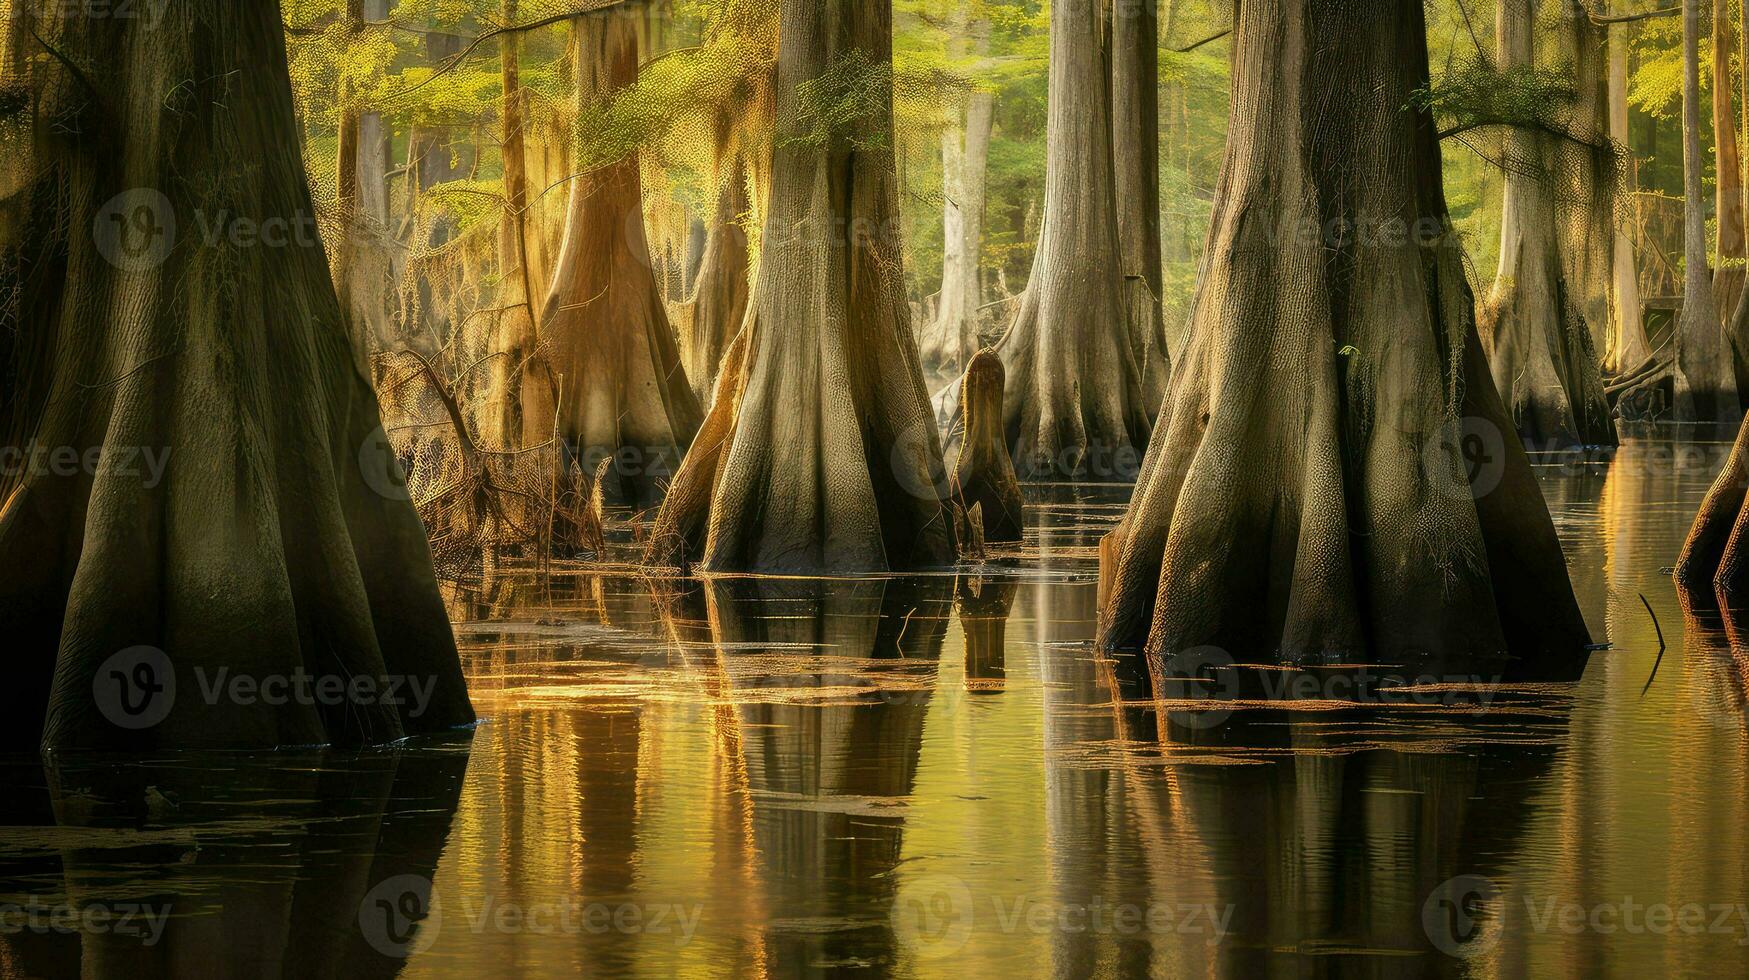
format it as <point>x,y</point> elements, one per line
<point>1075,404</point>
<point>820,451</point>
<point>273,534</point>
<point>1714,567</point>
<point>1135,137</point>
<point>1706,387</point>
<point>719,303</point>
<point>1534,322</point>
<point>1305,497</point>
<point>605,330</point>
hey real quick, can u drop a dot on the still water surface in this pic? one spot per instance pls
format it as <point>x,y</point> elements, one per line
<point>933,777</point>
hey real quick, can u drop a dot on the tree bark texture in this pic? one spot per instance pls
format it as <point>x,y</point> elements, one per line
<point>511,410</point>
<point>1333,476</point>
<point>277,537</point>
<point>1075,405</point>
<point>604,331</point>
<point>820,452</point>
<point>1728,189</point>
<point>1535,322</point>
<point>1135,135</point>
<point>951,340</point>
<point>719,303</point>
<point>1630,348</point>
<point>1706,387</point>
<point>984,475</point>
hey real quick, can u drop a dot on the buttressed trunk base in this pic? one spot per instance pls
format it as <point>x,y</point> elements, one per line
<point>238,514</point>
<point>820,452</point>
<point>605,331</point>
<point>1306,496</point>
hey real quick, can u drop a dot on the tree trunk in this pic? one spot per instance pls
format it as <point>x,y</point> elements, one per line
<point>1728,199</point>
<point>1534,322</point>
<point>1075,407</point>
<point>953,337</point>
<point>512,412</point>
<point>1586,196</point>
<point>820,452</point>
<point>1706,388</point>
<point>1303,498</point>
<point>373,144</point>
<point>1713,570</point>
<point>1630,348</point>
<point>1135,134</point>
<point>720,301</point>
<point>273,536</point>
<point>605,330</point>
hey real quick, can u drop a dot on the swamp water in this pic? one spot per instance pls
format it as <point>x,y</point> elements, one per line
<point>931,777</point>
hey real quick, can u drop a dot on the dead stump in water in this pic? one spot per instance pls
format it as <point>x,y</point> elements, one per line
<point>985,473</point>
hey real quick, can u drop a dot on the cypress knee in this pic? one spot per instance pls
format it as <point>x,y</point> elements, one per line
<point>985,473</point>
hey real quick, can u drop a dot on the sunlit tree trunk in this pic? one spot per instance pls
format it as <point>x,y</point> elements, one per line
<point>1075,407</point>
<point>1706,388</point>
<point>512,410</point>
<point>1586,189</point>
<point>274,536</point>
<point>950,342</point>
<point>1333,475</point>
<point>1630,348</point>
<point>719,302</point>
<point>1135,136</point>
<point>604,329</point>
<point>1534,322</point>
<point>820,451</point>
<point>1728,199</point>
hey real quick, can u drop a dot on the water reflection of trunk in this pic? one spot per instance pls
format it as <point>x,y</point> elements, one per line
<point>832,682</point>
<point>1078,823</point>
<point>984,608</point>
<point>1340,849</point>
<point>264,867</point>
<point>733,876</point>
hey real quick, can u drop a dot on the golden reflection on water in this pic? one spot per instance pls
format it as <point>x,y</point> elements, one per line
<point>939,776</point>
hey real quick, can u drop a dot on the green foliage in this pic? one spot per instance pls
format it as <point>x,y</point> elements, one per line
<point>1477,94</point>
